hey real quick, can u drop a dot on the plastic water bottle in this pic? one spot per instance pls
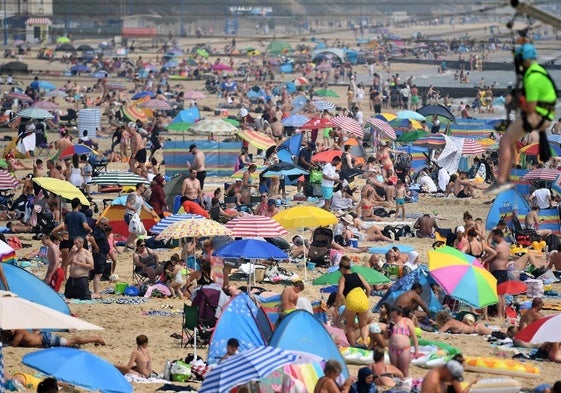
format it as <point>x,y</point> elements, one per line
<point>167,368</point>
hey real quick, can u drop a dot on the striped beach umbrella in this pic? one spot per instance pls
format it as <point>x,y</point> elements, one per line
<point>216,126</point>
<point>349,125</point>
<point>471,146</point>
<point>7,254</point>
<point>35,113</point>
<point>166,222</point>
<point>119,179</point>
<point>295,120</point>
<point>116,87</point>
<point>194,95</point>
<point>57,93</point>
<point>253,364</point>
<point>318,123</point>
<point>16,95</point>
<point>322,105</point>
<point>431,141</point>
<point>47,105</point>
<point>383,127</point>
<point>134,113</point>
<point>257,139</point>
<point>548,174</point>
<point>75,149</point>
<point>255,226</point>
<point>7,181</point>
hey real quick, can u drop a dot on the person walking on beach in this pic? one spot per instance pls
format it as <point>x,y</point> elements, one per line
<point>198,164</point>
<point>537,106</point>
<point>498,262</point>
<point>191,187</point>
<point>80,261</point>
<point>55,273</point>
<point>138,151</point>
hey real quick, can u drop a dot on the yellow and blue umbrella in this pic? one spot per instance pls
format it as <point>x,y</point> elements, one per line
<point>463,277</point>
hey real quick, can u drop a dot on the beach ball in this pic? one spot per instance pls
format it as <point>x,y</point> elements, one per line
<point>357,301</point>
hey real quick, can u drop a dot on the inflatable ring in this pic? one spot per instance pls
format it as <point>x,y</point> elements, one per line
<point>357,356</point>
<point>501,366</point>
<point>357,301</point>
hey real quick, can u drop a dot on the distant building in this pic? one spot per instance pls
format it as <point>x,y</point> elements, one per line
<point>29,8</point>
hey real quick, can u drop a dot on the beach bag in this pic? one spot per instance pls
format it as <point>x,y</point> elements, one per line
<point>136,226</point>
<point>180,371</point>
<point>357,301</point>
<point>316,176</point>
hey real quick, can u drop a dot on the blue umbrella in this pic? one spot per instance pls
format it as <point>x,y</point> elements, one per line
<point>283,168</point>
<point>142,94</point>
<point>295,120</point>
<point>251,249</point>
<point>410,115</point>
<point>27,286</point>
<point>80,68</point>
<point>80,368</point>
<point>2,378</point>
<point>171,64</point>
<point>99,74</point>
<point>166,222</point>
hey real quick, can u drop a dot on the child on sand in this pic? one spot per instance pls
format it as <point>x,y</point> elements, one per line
<point>140,362</point>
<point>400,193</point>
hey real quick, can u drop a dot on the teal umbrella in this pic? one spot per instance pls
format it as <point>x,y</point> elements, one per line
<point>371,276</point>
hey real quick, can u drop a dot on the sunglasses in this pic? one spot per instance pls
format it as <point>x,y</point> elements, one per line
<point>142,245</point>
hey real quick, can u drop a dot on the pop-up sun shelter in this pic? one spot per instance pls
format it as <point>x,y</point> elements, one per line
<point>504,204</point>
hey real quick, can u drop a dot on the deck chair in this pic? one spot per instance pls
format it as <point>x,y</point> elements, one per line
<point>139,279</point>
<point>189,325</point>
<point>71,117</point>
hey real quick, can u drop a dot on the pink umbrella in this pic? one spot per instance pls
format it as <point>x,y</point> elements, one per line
<point>318,123</point>
<point>7,181</point>
<point>324,67</point>
<point>548,174</point>
<point>47,105</point>
<point>194,95</point>
<point>222,67</point>
<point>255,226</point>
<point>19,96</point>
<point>546,329</point>
<point>471,146</point>
<point>348,124</point>
<point>382,127</point>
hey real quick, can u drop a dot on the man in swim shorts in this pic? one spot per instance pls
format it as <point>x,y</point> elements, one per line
<point>289,298</point>
<point>498,261</point>
<point>45,339</point>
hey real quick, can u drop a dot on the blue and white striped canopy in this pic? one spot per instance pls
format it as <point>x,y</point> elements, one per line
<point>322,105</point>
<point>295,120</point>
<point>253,364</point>
<point>166,222</point>
<point>119,179</point>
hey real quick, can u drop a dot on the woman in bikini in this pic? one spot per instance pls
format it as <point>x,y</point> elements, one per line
<point>384,157</point>
<point>365,206</point>
<point>400,331</point>
<point>385,375</point>
<point>461,241</point>
<point>328,383</point>
<point>373,232</point>
<point>447,324</point>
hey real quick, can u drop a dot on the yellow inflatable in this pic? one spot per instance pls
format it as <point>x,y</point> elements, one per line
<point>501,366</point>
<point>357,301</point>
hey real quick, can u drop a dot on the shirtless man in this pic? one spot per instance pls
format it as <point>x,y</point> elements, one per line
<point>191,188</point>
<point>55,273</point>
<point>532,221</point>
<point>440,378</point>
<point>289,298</point>
<point>198,164</point>
<point>411,300</point>
<point>140,362</point>
<point>232,347</point>
<point>45,339</point>
<point>138,151</point>
<point>52,171</point>
<point>464,188</point>
<point>425,225</point>
<point>80,261</point>
<point>498,264</point>
<point>38,168</point>
<point>64,141</point>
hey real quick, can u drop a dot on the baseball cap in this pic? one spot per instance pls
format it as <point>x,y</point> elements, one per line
<point>456,370</point>
<point>193,146</point>
<point>460,229</point>
<point>526,51</point>
<point>271,202</point>
<point>131,124</point>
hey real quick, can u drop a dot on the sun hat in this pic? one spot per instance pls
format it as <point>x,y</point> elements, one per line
<point>347,218</point>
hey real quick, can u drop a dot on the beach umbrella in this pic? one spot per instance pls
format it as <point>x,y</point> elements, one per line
<point>251,249</point>
<point>250,365</point>
<point>349,125</point>
<point>471,146</point>
<point>534,149</point>
<point>554,138</point>
<point>431,141</point>
<point>372,277</point>
<point>233,122</point>
<point>222,67</point>
<point>326,93</point>
<point>317,123</point>
<point>80,368</point>
<point>437,109</point>
<point>46,105</point>
<point>295,120</point>
<point>116,86</point>
<point>305,216</point>
<point>257,139</point>
<point>75,149</point>
<point>63,40</point>
<point>283,169</point>
<point>119,179</point>
<point>410,115</point>
<point>16,95</point>
<point>301,81</point>
<point>194,95</point>
<point>80,68</point>
<point>546,329</point>
<point>255,226</point>
<point>18,42</point>
<point>7,181</point>
<point>35,113</point>
<point>167,221</point>
<point>463,277</point>
<point>327,155</point>
<point>61,188</point>
<point>322,105</point>
<point>65,48</point>
<point>387,117</point>
<point>7,256</point>
<point>511,287</point>
<point>412,136</point>
<point>19,313</point>
<point>194,228</point>
<point>171,64</point>
<point>179,126</point>
<point>14,66</point>
<point>216,126</point>
<point>142,94</point>
<point>382,127</point>
<point>156,104</point>
<point>202,52</point>
<point>133,113</point>
<point>85,48</point>
<point>57,93</point>
<point>547,174</point>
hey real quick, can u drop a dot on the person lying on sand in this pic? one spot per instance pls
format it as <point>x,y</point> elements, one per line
<point>140,362</point>
<point>447,324</point>
<point>45,339</point>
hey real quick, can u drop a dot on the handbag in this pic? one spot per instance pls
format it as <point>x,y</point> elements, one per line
<point>136,226</point>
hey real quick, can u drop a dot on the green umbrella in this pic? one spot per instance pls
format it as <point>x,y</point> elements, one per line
<point>180,126</point>
<point>371,276</point>
<point>63,40</point>
<point>201,52</point>
<point>326,93</point>
<point>411,136</point>
<point>233,122</point>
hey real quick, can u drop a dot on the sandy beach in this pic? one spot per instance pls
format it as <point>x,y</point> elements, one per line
<point>123,322</point>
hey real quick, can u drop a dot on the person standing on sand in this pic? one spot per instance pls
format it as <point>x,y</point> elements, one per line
<point>191,188</point>
<point>55,273</point>
<point>138,151</point>
<point>289,298</point>
<point>497,265</point>
<point>81,262</point>
<point>140,362</point>
<point>198,164</point>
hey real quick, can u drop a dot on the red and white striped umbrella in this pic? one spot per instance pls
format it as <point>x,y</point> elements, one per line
<point>7,181</point>
<point>546,329</point>
<point>301,81</point>
<point>19,96</point>
<point>156,104</point>
<point>194,95</point>
<point>382,127</point>
<point>349,125</point>
<point>471,146</point>
<point>548,174</point>
<point>255,226</point>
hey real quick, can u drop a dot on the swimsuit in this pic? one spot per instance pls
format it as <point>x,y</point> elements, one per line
<point>400,201</point>
<point>48,340</point>
<point>470,253</point>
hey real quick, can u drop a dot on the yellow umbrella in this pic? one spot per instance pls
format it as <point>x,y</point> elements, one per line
<point>194,228</point>
<point>305,216</point>
<point>63,40</point>
<point>61,188</point>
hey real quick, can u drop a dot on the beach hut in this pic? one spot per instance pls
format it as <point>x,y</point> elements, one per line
<point>37,30</point>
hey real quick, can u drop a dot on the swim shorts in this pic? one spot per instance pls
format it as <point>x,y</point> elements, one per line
<point>327,192</point>
<point>400,201</point>
<point>140,156</point>
<point>500,275</point>
<point>51,340</point>
<point>57,279</point>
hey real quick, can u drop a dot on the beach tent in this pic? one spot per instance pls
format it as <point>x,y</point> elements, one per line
<point>116,215</point>
<point>270,305</point>
<point>289,148</point>
<point>190,115</point>
<point>320,54</point>
<point>27,286</point>
<point>357,151</point>
<point>301,331</point>
<point>420,275</point>
<point>243,320</point>
<point>521,185</point>
<point>172,188</point>
<point>278,47</point>
<point>504,204</point>
<point>219,156</point>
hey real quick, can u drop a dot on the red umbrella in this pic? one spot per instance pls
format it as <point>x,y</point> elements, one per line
<point>318,122</point>
<point>511,287</point>
<point>382,127</point>
<point>19,96</point>
<point>7,181</point>
<point>301,81</point>
<point>349,125</point>
<point>326,155</point>
<point>546,329</point>
<point>548,174</point>
<point>471,146</point>
<point>255,226</point>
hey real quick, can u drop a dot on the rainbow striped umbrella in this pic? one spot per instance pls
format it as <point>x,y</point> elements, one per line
<point>431,141</point>
<point>257,139</point>
<point>463,277</point>
<point>7,181</point>
<point>134,113</point>
<point>7,254</point>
